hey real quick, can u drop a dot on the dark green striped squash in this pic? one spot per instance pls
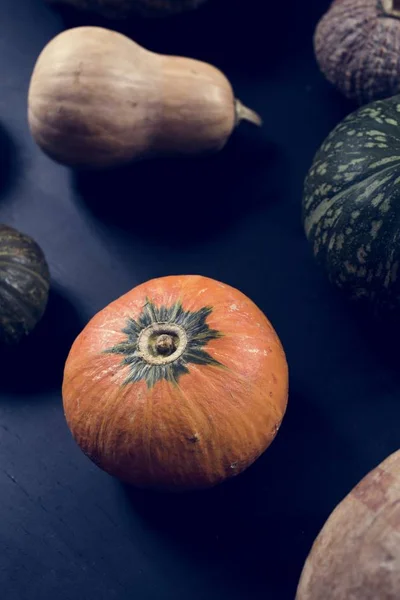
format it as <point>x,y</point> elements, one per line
<point>351,204</point>
<point>24,284</point>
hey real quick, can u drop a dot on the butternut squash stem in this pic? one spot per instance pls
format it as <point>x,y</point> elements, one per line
<point>246,114</point>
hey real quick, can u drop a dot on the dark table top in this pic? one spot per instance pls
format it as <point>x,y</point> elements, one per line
<point>69,531</point>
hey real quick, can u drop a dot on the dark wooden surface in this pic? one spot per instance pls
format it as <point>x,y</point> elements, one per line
<point>69,531</point>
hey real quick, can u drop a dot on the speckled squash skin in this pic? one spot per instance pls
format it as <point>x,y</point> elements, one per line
<point>24,285</point>
<point>357,46</point>
<point>179,384</point>
<point>351,204</point>
<point>122,9</point>
<point>356,556</point>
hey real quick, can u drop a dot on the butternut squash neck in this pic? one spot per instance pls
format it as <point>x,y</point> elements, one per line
<point>198,107</point>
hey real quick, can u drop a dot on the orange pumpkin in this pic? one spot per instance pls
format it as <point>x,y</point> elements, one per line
<point>179,384</point>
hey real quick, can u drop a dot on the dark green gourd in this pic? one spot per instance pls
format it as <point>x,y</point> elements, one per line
<point>351,205</point>
<point>24,284</point>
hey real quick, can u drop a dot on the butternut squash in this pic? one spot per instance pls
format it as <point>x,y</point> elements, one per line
<point>97,99</point>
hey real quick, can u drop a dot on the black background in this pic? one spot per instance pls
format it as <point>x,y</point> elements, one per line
<point>69,531</point>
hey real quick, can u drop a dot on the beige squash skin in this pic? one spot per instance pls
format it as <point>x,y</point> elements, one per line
<point>357,554</point>
<point>98,99</point>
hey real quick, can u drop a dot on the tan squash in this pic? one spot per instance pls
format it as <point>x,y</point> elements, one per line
<point>121,9</point>
<point>98,99</point>
<point>357,554</point>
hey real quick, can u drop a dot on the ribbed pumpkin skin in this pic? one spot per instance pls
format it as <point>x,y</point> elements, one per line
<point>205,419</point>
<point>121,9</point>
<point>357,554</point>
<point>351,205</point>
<point>24,284</point>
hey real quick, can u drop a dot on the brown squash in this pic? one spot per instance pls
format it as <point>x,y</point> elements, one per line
<point>179,384</point>
<point>121,9</point>
<point>98,99</point>
<point>357,554</point>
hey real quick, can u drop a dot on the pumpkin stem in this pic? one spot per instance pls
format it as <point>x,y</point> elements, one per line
<point>246,114</point>
<point>165,344</point>
<point>161,343</point>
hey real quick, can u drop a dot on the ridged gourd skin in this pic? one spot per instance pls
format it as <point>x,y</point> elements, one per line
<point>351,205</point>
<point>357,46</point>
<point>97,99</point>
<point>179,384</point>
<point>24,285</point>
<point>356,556</point>
<point>122,9</point>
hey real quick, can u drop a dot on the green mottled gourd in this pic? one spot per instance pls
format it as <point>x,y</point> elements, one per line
<point>24,285</point>
<point>351,204</point>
